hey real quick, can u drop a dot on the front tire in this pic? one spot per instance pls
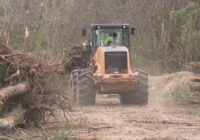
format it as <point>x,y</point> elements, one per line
<point>140,95</point>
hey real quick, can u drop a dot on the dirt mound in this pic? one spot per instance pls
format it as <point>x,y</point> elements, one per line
<point>175,88</point>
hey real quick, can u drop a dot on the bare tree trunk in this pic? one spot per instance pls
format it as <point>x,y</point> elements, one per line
<point>13,91</point>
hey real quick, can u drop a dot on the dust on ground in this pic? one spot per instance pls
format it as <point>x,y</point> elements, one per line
<point>161,119</point>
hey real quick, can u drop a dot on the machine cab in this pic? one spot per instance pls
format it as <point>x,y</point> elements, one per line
<point>103,35</point>
<point>109,48</point>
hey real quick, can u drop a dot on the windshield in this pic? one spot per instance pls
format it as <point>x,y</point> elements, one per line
<point>106,37</point>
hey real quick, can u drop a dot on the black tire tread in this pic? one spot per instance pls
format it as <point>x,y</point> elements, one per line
<point>73,78</point>
<point>86,93</point>
<point>140,95</point>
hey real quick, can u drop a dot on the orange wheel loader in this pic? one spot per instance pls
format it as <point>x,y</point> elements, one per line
<point>103,65</point>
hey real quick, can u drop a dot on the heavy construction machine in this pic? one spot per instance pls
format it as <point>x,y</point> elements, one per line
<point>103,65</point>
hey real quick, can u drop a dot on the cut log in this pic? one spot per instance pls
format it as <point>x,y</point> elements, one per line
<point>196,78</point>
<point>13,118</point>
<point>13,91</point>
<point>195,86</point>
<point>193,67</point>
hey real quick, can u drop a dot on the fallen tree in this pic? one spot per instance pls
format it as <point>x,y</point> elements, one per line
<point>28,89</point>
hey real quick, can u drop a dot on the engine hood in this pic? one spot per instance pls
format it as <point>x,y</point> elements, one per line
<point>101,52</point>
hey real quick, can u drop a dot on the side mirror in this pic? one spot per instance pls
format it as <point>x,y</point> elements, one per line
<point>132,31</point>
<point>84,32</point>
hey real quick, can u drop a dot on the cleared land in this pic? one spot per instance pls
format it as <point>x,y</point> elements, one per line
<point>161,119</point>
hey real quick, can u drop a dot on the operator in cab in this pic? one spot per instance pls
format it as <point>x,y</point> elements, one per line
<point>111,39</point>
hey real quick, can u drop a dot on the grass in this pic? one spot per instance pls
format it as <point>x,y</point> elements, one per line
<point>62,136</point>
<point>197,118</point>
<point>66,132</point>
<point>181,95</point>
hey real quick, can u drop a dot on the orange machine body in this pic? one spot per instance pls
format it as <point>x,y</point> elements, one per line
<point>115,82</point>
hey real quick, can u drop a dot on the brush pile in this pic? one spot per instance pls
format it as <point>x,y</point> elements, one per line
<point>29,90</point>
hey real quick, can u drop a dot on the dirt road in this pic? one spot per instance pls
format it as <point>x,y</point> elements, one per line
<point>109,120</point>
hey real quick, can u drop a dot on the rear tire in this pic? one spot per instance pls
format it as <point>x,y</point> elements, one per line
<point>86,91</point>
<point>140,95</point>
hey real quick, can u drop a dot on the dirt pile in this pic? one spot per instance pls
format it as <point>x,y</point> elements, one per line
<point>177,87</point>
<point>30,89</point>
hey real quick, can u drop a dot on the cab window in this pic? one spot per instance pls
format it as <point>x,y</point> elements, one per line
<point>104,36</point>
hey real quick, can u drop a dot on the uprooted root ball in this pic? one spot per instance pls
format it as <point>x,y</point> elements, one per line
<point>43,96</point>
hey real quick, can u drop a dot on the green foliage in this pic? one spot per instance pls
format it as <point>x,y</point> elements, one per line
<point>17,37</point>
<point>61,136</point>
<point>64,134</point>
<point>178,95</point>
<point>185,32</point>
<point>37,35</point>
<point>37,40</point>
<point>185,13</point>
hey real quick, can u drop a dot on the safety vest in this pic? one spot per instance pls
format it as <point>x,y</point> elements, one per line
<point>108,39</point>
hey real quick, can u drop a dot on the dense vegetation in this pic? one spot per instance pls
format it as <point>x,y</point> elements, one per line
<point>167,32</point>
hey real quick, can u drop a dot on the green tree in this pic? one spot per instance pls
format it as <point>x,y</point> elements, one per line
<point>185,33</point>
